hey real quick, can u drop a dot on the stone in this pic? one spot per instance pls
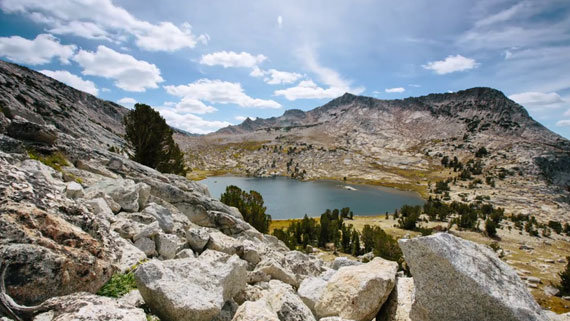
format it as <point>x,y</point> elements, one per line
<point>197,239</point>
<point>21,129</point>
<point>257,276</point>
<point>282,299</point>
<point>191,288</point>
<point>343,261</point>
<point>146,245</point>
<point>167,245</point>
<point>399,303</point>
<point>130,254</point>
<point>558,317</point>
<point>228,311</point>
<point>249,253</point>
<point>149,231</point>
<point>130,196</point>
<point>533,279</point>
<point>133,298</point>
<point>86,306</point>
<point>312,288</point>
<point>276,271</point>
<point>99,207</point>
<point>222,243</point>
<point>74,190</point>
<point>162,215</point>
<point>550,290</point>
<point>185,253</point>
<point>450,272</point>
<point>255,311</point>
<point>357,292</point>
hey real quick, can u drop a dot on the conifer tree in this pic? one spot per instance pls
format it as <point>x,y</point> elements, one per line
<point>151,138</point>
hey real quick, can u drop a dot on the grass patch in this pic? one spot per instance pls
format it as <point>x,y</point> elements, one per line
<point>119,284</point>
<point>55,160</point>
<point>199,174</point>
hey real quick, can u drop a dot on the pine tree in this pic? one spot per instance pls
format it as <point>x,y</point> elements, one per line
<point>250,205</point>
<point>564,286</point>
<point>151,138</point>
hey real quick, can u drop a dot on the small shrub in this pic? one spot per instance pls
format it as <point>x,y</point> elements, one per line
<point>564,285</point>
<point>491,228</point>
<point>55,160</point>
<point>119,285</point>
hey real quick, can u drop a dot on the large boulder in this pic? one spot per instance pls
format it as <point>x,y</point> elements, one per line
<point>357,292</point>
<point>399,304</point>
<point>312,288</point>
<point>282,299</point>
<point>456,279</point>
<point>162,215</point>
<point>85,306</point>
<point>197,238</point>
<point>255,311</point>
<point>191,288</point>
<point>129,195</point>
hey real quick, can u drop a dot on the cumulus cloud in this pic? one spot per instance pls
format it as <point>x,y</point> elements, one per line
<point>451,64</point>
<point>218,91</point>
<point>72,80</point>
<point>103,20</point>
<point>276,77</point>
<point>190,122</point>
<point>127,102</point>
<point>194,106</point>
<point>563,123</point>
<point>129,73</point>
<point>232,59</point>
<point>538,100</point>
<point>38,51</point>
<point>308,89</point>
<point>395,90</point>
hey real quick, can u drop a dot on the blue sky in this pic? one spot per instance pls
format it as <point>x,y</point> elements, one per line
<point>207,64</point>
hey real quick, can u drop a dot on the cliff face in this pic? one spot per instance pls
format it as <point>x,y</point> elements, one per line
<point>401,143</point>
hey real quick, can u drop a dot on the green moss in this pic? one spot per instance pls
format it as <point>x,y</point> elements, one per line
<point>55,160</point>
<point>119,285</point>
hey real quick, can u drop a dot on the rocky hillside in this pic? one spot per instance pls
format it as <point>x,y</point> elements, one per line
<point>402,143</point>
<point>74,215</point>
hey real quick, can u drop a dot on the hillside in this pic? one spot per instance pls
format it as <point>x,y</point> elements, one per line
<point>402,143</point>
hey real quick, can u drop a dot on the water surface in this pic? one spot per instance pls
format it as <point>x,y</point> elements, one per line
<point>288,198</point>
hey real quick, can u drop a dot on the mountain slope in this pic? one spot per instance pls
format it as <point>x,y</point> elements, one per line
<point>401,143</point>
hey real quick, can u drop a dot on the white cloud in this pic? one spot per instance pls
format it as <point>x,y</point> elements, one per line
<point>280,22</point>
<point>38,51</point>
<point>414,85</point>
<point>308,89</point>
<point>129,73</point>
<point>538,100</point>
<point>232,59</point>
<point>189,122</point>
<point>72,80</point>
<point>194,106</point>
<point>567,113</point>
<point>127,102</point>
<point>103,20</point>
<point>218,91</point>
<point>395,90</point>
<point>451,64</point>
<point>563,123</point>
<point>275,77</point>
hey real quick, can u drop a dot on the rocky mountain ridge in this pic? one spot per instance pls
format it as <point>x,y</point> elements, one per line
<point>73,214</point>
<point>402,143</point>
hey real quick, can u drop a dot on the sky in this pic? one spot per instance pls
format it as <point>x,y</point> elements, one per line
<point>205,65</point>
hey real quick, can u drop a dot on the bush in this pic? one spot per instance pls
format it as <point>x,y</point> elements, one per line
<point>250,206</point>
<point>151,138</point>
<point>491,228</point>
<point>55,160</point>
<point>119,285</point>
<point>564,285</point>
<point>481,152</point>
<point>556,226</point>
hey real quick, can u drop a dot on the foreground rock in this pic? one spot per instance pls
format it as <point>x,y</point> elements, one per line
<point>357,292</point>
<point>457,279</point>
<point>399,304</point>
<point>85,306</point>
<point>191,288</point>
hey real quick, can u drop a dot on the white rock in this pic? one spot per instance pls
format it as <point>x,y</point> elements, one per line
<point>276,271</point>
<point>477,284</point>
<point>149,231</point>
<point>191,288</point>
<point>282,299</point>
<point>255,311</point>
<point>357,292</point>
<point>130,196</point>
<point>185,253</point>
<point>399,304</point>
<point>133,298</point>
<point>74,190</point>
<point>222,243</point>
<point>131,255</point>
<point>167,245</point>
<point>343,261</point>
<point>197,238</point>
<point>533,279</point>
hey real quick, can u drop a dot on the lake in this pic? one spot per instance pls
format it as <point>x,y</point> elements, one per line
<point>289,198</point>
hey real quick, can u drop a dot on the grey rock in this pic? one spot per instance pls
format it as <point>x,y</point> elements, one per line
<point>475,279</point>
<point>282,299</point>
<point>228,311</point>
<point>343,261</point>
<point>167,245</point>
<point>130,254</point>
<point>148,231</point>
<point>162,215</point>
<point>22,129</point>
<point>133,298</point>
<point>550,290</point>
<point>74,190</point>
<point>146,245</point>
<point>185,253</point>
<point>191,288</point>
<point>255,311</point>
<point>130,196</point>
<point>399,304</point>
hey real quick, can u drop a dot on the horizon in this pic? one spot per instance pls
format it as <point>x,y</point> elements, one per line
<point>264,59</point>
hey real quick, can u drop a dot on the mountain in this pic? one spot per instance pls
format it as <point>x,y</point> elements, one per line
<point>402,143</point>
